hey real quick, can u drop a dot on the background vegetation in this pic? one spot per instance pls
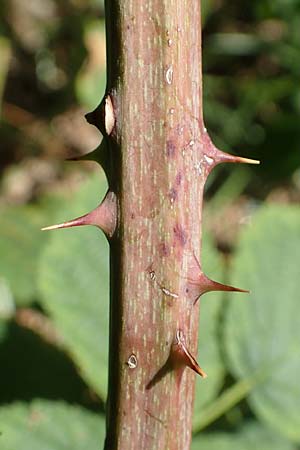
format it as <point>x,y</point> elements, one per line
<point>54,287</point>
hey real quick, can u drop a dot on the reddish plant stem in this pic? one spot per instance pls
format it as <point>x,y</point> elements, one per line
<point>157,146</point>
<point>157,156</point>
<point>161,156</point>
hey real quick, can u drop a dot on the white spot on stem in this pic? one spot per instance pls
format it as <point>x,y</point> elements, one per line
<point>152,275</point>
<point>198,168</point>
<point>169,293</point>
<point>209,160</point>
<point>109,116</point>
<point>169,75</point>
<point>132,361</point>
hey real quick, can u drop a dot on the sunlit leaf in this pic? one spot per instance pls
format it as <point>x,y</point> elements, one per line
<point>74,288</point>
<point>263,332</point>
<point>209,352</point>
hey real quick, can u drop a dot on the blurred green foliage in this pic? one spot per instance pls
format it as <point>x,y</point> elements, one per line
<point>54,287</point>
<point>50,425</point>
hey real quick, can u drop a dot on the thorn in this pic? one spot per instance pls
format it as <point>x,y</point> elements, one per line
<point>94,155</point>
<point>103,217</point>
<point>214,156</point>
<point>203,284</point>
<point>183,357</point>
<point>99,155</point>
<point>208,285</point>
<point>227,158</point>
<point>200,283</point>
<point>222,157</point>
<point>240,159</point>
<point>91,156</point>
<point>94,117</point>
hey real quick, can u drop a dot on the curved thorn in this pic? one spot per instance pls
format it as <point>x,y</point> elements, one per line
<point>100,155</point>
<point>90,156</point>
<point>94,117</point>
<point>103,217</point>
<point>182,356</point>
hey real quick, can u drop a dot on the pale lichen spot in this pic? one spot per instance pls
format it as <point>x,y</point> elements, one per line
<point>169,75</point>
<point>198,167</point>
<point>152,275</point>
<point>132,361</point>
<point>169,293</point>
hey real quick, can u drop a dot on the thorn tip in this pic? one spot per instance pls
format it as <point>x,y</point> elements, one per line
<point>223,157</point>
<point>242,160</point>
<point>83,220</point>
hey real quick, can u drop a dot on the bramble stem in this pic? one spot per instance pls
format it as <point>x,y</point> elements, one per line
<point>160,160</point>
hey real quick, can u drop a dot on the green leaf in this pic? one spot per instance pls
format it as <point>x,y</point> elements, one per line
<point>73,283</point>
<point>45,425</point>
<point>252,436</point>
<point>21,242</point>
<point>90,82</point>
<point>7,303</point>
<point>262,333</point>
<point>209,354</point>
